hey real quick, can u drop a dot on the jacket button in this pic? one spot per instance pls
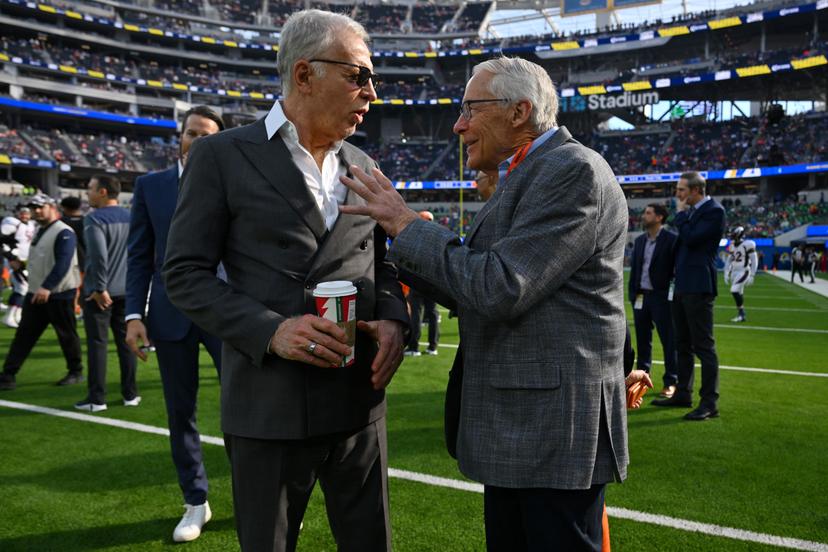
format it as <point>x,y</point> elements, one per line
<point>309,285</point>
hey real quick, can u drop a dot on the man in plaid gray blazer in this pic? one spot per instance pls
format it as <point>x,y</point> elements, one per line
<point>538,285</point>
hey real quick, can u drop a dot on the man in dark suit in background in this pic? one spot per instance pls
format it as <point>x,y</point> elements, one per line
<point>701,224</point>
<point>651,274</point>
<point>175,337</point>
<point>264,200</point>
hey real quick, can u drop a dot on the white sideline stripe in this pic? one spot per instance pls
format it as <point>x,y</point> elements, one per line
<point>434,481</point>
<point>721,366</point>
<point>782,309</point>
<point>716,530</point>
<point>764,370</point>
<point>770,329</point>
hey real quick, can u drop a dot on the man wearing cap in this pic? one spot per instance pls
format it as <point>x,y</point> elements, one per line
<point>54,277</point>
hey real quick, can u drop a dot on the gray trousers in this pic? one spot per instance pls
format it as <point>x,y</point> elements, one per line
<point>273,480</point>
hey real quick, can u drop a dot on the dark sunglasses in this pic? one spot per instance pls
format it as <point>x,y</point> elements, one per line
<point>361,78</point>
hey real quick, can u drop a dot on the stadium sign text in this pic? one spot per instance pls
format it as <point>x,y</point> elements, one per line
<point>627,99</point>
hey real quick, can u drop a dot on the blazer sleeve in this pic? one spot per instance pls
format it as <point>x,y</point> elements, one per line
<point>140,252</point>
<point>198,231</point>
<point>553,232</point>
<point>701,228</point>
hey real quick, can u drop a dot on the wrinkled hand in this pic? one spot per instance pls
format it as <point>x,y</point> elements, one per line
<point>637,384</point>
<point>136,337</point>
<point>294,335</point>
<point>384,204</point>
<point>390,336</point>
<point>102,299</point>
<point>41,296</point>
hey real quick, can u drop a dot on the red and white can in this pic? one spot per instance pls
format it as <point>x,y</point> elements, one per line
<point>336,301</point>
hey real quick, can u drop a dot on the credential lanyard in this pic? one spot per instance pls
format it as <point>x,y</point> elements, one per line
<point>519,157</point>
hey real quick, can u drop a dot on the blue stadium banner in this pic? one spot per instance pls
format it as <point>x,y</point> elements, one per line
<point>79,112</point>
<point>580,7</point>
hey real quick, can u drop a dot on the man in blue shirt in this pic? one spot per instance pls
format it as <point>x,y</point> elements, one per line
<point>104,291</point>
<point>54,277</point>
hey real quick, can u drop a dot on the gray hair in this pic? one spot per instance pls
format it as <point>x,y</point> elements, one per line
<point>519,79</point>
<point>308,34</point>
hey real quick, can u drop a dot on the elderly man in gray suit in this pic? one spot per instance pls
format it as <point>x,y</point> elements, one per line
<point>538,285</point>
<point>264,199</point>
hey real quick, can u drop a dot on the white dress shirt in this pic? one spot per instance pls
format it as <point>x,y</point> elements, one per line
<point>324,185</point>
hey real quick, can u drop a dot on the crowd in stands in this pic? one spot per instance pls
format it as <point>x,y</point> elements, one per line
<point>800,139</point>
<point>13,145</point>
<point>740,142</point>
<point>280,11</point>
<point>472,16</point>
<point>760,219</point>
<point>138,68</point>
<point>238,11</point>
<point>430,18</point>
<point>102,151</point>
<point>405,161</point>
<point>382,18</point>
<point>767,221</point>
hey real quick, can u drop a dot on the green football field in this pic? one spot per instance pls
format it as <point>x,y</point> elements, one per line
<point>760,472</point>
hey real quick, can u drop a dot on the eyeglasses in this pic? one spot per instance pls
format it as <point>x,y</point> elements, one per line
<point>466,110</point>
<point>361,78</point>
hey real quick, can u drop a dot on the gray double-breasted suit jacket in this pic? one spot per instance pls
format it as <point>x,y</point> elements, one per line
<point>245,203</point>
<point>538,285</point>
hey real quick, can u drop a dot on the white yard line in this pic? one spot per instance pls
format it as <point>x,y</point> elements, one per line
<point>641,517</point>
<point>721,366</point>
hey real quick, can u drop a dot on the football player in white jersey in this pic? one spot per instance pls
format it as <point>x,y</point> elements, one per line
<point>740,268</point>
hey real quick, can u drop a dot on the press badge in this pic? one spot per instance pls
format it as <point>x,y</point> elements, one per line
<point>639,302</point>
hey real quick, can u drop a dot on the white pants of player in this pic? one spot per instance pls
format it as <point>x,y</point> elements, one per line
<point>738,281</point>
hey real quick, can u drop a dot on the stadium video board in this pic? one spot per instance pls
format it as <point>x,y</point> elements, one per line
<point>582,7</point>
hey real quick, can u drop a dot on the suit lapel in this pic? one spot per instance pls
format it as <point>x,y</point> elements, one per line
<point>560,136</point>
<point>272,159</point>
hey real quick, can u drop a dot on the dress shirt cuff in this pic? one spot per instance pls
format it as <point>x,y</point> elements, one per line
<point>129,317</point>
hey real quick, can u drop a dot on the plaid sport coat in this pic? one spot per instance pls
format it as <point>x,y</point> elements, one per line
<point>538,285</point>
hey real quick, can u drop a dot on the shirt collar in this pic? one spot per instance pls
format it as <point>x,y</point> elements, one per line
<point>277,121</point>
<point>698,205</point>
<point>656,236</point>
<point>180,168</point>
<point>503,167</point>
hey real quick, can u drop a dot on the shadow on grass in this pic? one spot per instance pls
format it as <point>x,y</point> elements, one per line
<point>106,536</point>
<point>147,469</point>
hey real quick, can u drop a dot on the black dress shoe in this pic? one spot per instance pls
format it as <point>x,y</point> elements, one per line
<point>701,413</point>
<point>675,400</point>
<point>71,378</point>
<point>7,382</point>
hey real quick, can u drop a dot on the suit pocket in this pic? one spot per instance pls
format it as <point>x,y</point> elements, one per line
<point>525,375</point>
